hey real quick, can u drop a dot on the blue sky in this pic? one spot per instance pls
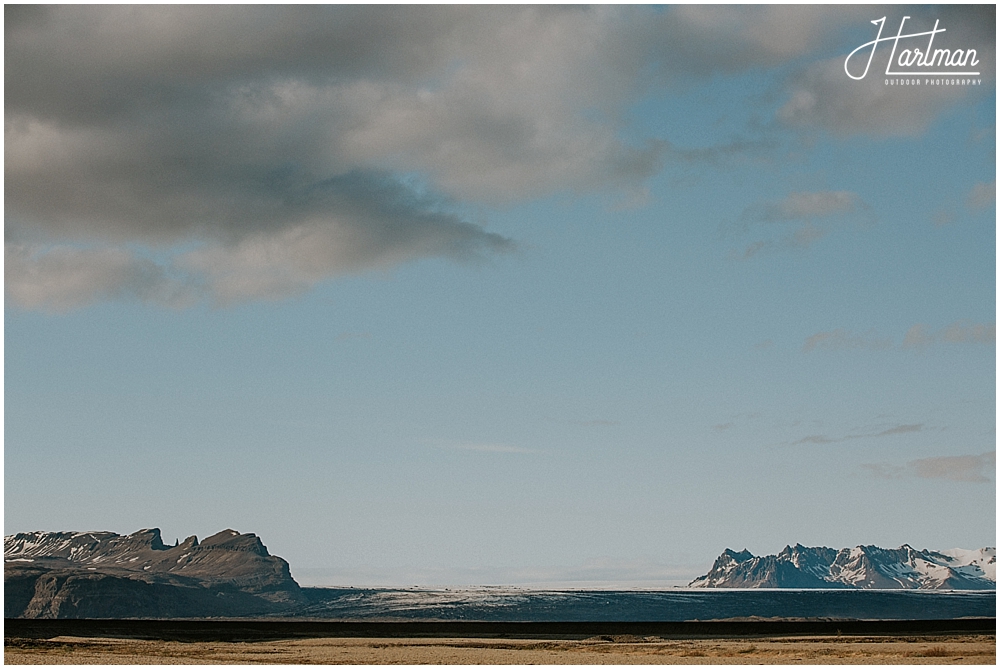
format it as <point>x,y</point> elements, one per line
<point>498,295</point>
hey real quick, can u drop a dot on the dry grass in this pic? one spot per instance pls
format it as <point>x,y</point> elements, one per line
<point>966,649</point>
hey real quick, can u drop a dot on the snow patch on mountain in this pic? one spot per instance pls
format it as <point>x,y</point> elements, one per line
<point>863,567</point>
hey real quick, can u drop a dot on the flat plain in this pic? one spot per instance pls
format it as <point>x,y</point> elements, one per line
<point>930,649</point>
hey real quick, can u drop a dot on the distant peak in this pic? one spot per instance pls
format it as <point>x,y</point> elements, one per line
<point>738,556</point>
<point>863,566</point>
<point>233,540</point>
<point>150,537</point>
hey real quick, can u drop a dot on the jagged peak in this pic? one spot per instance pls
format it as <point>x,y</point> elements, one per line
<point>737,556</point>
<point>233,540</point>
<point>150,537</point>
<point>863,566</point>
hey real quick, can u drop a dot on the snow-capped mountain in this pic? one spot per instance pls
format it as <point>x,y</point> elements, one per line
<point>103,574</point>
<point>864,567</point>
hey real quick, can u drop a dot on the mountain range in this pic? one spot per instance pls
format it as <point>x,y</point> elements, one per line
<point>861,567</point>
<point>108,575</point>
<point>229,574</point>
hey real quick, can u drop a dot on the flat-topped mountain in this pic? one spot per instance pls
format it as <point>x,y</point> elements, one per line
<point>864,567</point>
<point>108,575</point>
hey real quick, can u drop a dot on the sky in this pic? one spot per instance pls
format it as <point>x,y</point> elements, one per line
<point>501,295</point>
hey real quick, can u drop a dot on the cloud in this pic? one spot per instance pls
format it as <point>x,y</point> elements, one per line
<point>598,422</point>
<point>814,439</point>
<point>706,40</point>
<point>900,429</point>
<point>351,224</point>
<point>961,468</point>
<point>61,278</point>
<point>840,339</point>
<point>806,235</point>
<point>347,224</point>
<point>753,249</point>
<point>737,149</point>
<point>802,209</point>
<point>890,431</point>
<point>481,447</point>
<point>260,150</point>
<point>943,217</point>
<point>962,331</point>
<point>822,96</point>
<point>917,337</point>
<point>982,195</point>
<point>966,468</point>
<point>805,206</point>
<point>289,145</point>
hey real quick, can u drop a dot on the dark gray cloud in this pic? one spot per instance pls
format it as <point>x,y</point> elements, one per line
<point>264,149</point>
<point>280,241</point>
<point>273,140</point>
<point>821,96</point>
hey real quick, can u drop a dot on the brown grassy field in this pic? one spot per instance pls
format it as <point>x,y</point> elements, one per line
<point>959,649</point>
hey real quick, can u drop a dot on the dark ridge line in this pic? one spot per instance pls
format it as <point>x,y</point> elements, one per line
<point>265,630</point>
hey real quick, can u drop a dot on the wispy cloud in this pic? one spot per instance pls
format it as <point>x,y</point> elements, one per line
<point>480,447</point>
<point>890,431</point>
<point>917,337</point>
<point>815,439</point>
<point>960,468</point>
<point>805,206</point>
<point>966,468</point>
<point>733,151</point>
<point>982,195</point>
<point>943,217</point>
<point>840,339</point>
<point>959,332</point>
<point>799,214</point>
<point>900,429</point>
<point>597,422</point>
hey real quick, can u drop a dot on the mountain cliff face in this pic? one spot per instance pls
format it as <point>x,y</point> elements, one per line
<point>107,575</point>
<point>863,567</point>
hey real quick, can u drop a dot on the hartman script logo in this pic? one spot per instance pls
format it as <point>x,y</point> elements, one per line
<point>914,60</point>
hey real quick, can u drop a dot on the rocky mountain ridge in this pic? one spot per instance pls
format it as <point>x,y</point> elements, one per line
<point>861,567</point>
<point>104,574</point>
